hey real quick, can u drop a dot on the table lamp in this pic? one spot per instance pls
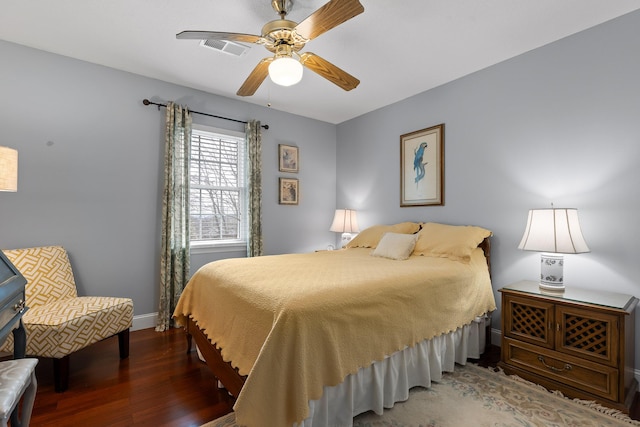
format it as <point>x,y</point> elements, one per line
<point>345,221</point>
<point>553,232</point>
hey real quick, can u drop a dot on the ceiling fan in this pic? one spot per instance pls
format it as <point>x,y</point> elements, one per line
<point>285,39</point>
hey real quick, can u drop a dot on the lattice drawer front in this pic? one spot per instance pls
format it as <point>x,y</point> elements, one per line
<point>528,320</point>
<point>586,334</point>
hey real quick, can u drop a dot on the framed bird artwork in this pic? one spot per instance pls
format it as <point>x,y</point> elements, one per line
<point>422,167</point>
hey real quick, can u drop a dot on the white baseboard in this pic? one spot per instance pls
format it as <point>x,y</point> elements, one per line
<point>144,321</point>
<point>496,336</point>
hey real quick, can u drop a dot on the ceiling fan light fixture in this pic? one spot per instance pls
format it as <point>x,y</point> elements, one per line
<point>285,71</point>
<point>285,38</point>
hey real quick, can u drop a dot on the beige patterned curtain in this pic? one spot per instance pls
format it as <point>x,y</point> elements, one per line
<point>254,184</point>
<point>174,262</point>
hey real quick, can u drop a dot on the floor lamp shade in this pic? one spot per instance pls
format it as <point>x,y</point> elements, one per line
<point>553,231</point>
<point>8,169</point>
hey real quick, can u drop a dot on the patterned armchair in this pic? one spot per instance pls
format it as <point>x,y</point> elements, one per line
<point>58,321</point>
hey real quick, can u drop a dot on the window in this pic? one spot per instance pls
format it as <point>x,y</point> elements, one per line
<point>217,197</point>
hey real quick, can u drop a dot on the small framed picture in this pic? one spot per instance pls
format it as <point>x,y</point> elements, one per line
<point>288,155</point>
<point>289,191</point>
<point>422,167</point>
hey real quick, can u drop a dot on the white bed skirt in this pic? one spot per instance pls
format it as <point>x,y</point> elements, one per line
<point>383,383</point>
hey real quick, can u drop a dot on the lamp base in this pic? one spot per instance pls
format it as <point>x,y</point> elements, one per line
<point>551,266</point>
<point>346,238</point>
<point>551,289</point>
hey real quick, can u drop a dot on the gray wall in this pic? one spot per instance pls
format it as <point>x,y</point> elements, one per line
<point>558,124</point>
<point>90,169</point>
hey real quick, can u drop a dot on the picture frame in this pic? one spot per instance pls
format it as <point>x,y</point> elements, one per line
<point>288,158</point>
<point>289,192</point>
<point>422,167</point>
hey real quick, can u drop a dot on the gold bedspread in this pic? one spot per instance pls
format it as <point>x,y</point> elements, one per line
<point>295,323</point>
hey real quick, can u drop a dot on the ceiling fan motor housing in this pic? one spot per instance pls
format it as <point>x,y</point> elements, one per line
<point>279,32</point>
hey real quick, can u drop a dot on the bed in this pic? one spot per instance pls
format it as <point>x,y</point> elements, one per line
<point>310,340</point>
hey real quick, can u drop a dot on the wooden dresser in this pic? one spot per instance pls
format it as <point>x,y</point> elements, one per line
<point>580,342</point>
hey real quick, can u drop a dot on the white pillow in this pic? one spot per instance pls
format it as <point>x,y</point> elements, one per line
<point>395,246</point>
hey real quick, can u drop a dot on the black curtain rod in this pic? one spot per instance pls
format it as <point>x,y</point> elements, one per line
<point>147,102</point>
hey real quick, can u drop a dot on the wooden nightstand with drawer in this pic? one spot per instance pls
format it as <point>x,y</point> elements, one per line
<point>580,342</point>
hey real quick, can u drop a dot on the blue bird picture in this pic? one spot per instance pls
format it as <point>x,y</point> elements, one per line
<point>421,167</point>
<point>418,162</point>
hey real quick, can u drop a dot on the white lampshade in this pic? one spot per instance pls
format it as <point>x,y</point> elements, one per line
<point>345,221</point>
<point>285,71</point>
<point>554,231</point>
<point>8,169</point>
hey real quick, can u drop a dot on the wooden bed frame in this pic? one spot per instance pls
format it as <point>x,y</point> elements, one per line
<point>229,376</point>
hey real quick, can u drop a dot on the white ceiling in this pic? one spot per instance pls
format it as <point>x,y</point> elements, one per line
<point>396,48</point>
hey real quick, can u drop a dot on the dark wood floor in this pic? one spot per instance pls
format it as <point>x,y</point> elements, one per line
<point>159,385</point>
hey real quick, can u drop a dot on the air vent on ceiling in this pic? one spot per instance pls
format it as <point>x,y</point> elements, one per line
<point>231,48</point>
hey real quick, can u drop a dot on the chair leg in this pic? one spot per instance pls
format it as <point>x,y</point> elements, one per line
<point>61,374</point>
<point>123,343</point>
<point>61,366</point>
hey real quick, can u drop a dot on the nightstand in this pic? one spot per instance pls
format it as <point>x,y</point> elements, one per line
<point>580,342</point>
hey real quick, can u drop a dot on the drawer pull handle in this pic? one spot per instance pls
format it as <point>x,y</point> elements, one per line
<point>567,367</point>
<point>19,306</point>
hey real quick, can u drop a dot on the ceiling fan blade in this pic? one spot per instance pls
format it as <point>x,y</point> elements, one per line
<point>219,35</point>
<point>327,17</point>
<point>329,71</point>
<point>256,78</point>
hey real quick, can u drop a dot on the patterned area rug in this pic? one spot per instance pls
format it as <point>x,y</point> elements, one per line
<point>475,396</point>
